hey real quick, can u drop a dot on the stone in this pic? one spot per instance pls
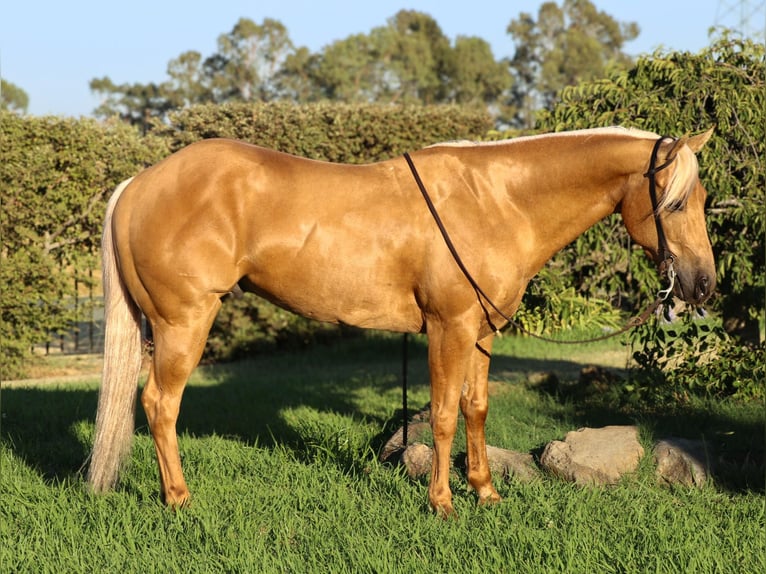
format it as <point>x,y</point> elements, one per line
<point>506,464</point>
<point>395,445</point>
<point>416,430</point>
<point>512,465</point>
<point>594,456</point>
<point>417,459</point>
<point>682,461</point>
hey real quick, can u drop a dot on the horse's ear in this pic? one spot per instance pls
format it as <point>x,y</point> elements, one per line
<point>675,146</point>
<point>695,143</point>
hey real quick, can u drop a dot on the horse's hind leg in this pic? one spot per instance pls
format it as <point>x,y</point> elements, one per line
<point>178,347</point>
<point>474,405</point>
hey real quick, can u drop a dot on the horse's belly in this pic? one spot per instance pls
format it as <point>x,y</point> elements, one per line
<point>349,296</point>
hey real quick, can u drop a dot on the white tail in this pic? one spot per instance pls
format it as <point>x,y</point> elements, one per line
<point>115,419</point>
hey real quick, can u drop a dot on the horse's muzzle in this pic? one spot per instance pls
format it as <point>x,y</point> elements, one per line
<point>700,291</point>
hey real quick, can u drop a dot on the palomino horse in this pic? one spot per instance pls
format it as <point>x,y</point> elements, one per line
<point>357,245</point>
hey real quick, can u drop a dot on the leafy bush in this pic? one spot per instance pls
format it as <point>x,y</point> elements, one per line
<point>725,86</point>
<point>547,310</point>
<point>331,132</point>
<point>694,357</point>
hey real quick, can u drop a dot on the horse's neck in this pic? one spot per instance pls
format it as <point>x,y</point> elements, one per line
<point>569,190</point>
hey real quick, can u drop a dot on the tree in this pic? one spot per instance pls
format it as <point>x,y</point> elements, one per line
<point>565,46</point>
<point>249,61</point>
<point>476,76</point>
<point>352,70</point>
<point>248,66</point>
<point>420,59</point>
<point>136,103</point>
<point>13,98</point>
<point>187,84</point>
<point>410,60</point>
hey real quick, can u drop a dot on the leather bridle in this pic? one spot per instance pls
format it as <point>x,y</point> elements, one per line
<point>666,256</point>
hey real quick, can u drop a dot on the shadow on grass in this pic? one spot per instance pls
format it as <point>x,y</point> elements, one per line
<point>247,401</point>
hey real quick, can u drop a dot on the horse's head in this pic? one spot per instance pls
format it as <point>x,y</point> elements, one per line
<point>678,213</point>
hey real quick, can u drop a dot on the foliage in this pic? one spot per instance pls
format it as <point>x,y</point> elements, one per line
<point>565,46</point>
<point>409,60</point>
<point>548,308</point>
<point>56,175</point>
<point>12,97</point>
<point>331,132</point>
<point>694,357</point>
<point>244,68</point>
<point>723,85</point>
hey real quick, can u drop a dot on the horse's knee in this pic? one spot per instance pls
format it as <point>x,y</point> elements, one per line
<point>474,410</point>
<point>443,425</point>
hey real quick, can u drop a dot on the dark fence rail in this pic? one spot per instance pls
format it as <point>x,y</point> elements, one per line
<point>85,334</point>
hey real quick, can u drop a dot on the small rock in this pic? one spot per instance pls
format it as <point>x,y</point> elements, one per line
<point>682,461</point>
<point>395,445</point>
<point>509,464</point>
<point>594,456</point>
<point>417,459</point>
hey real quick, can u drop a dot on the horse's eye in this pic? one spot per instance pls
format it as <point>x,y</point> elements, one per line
<point>675,206</point>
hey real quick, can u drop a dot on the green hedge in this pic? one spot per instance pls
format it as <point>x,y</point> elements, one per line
<point>675,94</point>
<point>56,175</point>
<point>331,132</point>
<point>681,93</point>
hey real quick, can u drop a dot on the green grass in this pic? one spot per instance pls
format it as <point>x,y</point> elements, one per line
<point>280,453</point>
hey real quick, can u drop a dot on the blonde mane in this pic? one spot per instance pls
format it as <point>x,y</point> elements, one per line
<point>681,182</point>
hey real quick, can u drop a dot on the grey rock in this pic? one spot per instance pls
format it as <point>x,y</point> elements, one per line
<point>594,456</point>
<point>682,461</point>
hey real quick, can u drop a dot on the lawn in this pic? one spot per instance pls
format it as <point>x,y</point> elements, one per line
<point>280,453</point>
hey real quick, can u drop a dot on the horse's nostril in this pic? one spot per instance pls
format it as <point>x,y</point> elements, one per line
<point>702,288</point>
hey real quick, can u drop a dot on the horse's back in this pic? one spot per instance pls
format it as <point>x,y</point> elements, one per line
<point>330,241</point>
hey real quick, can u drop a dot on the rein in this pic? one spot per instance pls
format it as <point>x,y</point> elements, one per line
<point>666,266</point>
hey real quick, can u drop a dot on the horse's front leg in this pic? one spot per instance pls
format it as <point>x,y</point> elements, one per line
<point>474,404</point>
<point>449,351</point>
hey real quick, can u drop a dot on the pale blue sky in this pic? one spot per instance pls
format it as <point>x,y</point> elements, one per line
<point>52,49</point>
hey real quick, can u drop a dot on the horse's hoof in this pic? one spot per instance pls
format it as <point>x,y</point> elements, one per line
<point>492,498</point>
<point>178,502</point>
<point>445,511</point>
